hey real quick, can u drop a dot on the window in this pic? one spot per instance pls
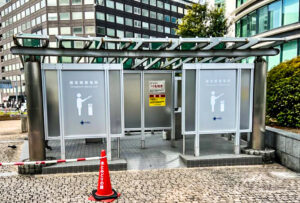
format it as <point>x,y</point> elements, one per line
<point>128,8</point>
<point>145,12</point>
<point>137,23</point>
<point>63,2</point>
<point>89,29</point>
<point>145,25</point>
<point>152,27</point>
<point>89,15</point>
<point>160,4</point>
<point>53,31</point>
<point>64,16</point>
<point>76,15</point>
<point>244,22</point>
<point>152,14</point>
<point>100,16</point>
<point>290,11</point>
<point>128,34</point>
<point>289,50</point>
<point>110,32</point>
<point>153,2</point>
<point>173,20</point>
<point>174,8</point>
<point>51,3</point>
<point>128,22</point>
<point>137,11</point>
<point>119,6</point>
<point>100,30</point>
<point>273,60</point>
<point>145,1</point>
<point>167,18</point>
<point>52,16</point>
<point>120,20</point>
<point>77,30</point>
<point>160,16</point>
<point>160,28</point>
<point>167,6</point>
<point>120,33</point>
<point>167,30</point>
<point>32,9</point>
<point>37,6</point>
<point>65,30</point>
<point>252,24</point>
<point>110,18</point>
<point>110,4</point>
<point>275,14</point>
<point>262,19</point>
<point>238,28</point>
<point>76,2</point>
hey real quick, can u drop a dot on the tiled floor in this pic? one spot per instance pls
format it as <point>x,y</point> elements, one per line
<point>157,154</point>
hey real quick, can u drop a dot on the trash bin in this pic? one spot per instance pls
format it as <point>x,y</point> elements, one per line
<point>24,123</point>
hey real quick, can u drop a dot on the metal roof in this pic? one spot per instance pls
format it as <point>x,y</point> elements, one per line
<point>146,53</point>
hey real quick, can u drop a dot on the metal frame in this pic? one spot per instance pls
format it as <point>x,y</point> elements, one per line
<point>213,66</point>
<point>169,52</point>
<point>93,67</point>
<point>142,93</point>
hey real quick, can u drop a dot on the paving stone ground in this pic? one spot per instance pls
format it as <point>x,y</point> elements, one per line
<point>262,183</point>
<point>269,183</point>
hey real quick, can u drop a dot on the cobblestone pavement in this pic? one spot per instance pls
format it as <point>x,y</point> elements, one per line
<point>269,183</point>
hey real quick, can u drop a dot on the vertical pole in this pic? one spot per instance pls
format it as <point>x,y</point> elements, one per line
<point>183,145</point>
<point>237,139</point>
<point>118,142</point>
<point>61,113</point>
<point>108,138</point>
<point>183,110</point>
<point>173,110</point>
<point>197,135</point>
<point>36,137</point>
<point>142,111</point>
<point>259,103</point>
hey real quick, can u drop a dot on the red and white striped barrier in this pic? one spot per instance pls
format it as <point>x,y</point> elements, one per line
<point>50,161</point>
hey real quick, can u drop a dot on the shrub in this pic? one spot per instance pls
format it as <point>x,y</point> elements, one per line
<point>283,94</point>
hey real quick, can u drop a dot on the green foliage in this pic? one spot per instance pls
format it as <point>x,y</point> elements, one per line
<point>200,21</point>
<point>283,93</point>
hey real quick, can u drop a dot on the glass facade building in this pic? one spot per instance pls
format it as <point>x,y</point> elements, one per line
<point>279,18</point>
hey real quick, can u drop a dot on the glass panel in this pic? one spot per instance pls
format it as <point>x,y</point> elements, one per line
<point>275,14</point>
<point>132,107</point>
<point>245,99</point>
<point>115,102</point>
<point>273,60</point>
<point>289,50</point>
<point>52,103</point>
<point>84,102</point>
<point>190,98</point>
<point>238,28</point>
<point>252,24</point>
<point>244,22</point>
<point>157,115</point>
<point>262,19</point>
<point>290,11</point>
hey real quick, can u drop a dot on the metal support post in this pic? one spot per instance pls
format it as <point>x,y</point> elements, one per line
<point>118,143</point>
<point>197,135</point>
<point>108,138</point>
<point>237,138</point>
<point>259,103</point>
<point>197,144</point>
<point>183,145</point>
<point>173,110</point>
<point>36,137</point>
<point>142,112</point>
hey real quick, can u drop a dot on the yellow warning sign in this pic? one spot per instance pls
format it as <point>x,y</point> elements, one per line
<point>157,100</point>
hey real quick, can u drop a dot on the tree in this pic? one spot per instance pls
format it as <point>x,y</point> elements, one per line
<point>200,21</point>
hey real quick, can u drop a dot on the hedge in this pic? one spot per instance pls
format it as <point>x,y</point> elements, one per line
<point>283,94</point>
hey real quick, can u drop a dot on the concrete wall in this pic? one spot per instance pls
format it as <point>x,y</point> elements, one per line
<point>287,146</point>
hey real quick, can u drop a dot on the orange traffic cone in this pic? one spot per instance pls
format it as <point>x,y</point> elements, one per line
<point>104,191</point>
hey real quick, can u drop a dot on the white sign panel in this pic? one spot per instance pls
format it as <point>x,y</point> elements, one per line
<point>217,100</point>
<point>156,86</point>
<point>83,102</point>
